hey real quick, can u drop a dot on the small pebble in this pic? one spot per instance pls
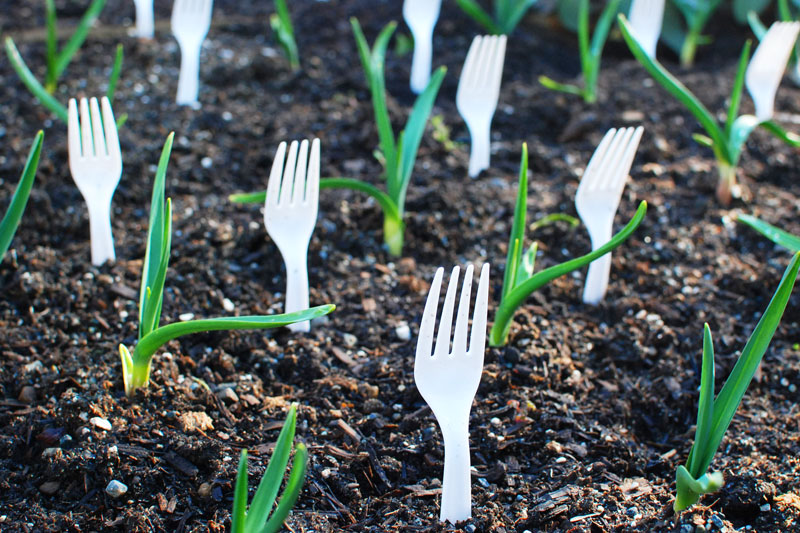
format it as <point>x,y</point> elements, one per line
<point>227,395</point>
<point>36,366</point>
<point>403,332</point>
<point>206,162</point>
<point>205,490</point>
<point>50,487</point>
<point>115,488</point>
<point>27,394</point>
<point>717,522</point>
<point>185,317</point>
<point>349,339</point>
<point>100,423</point>
<point>51,452</point>
<point>228,305</point>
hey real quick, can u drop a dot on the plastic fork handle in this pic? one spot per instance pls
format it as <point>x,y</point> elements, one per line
<point>188,81</point>
<point>421,61</point>
<point>297,287</point>
<point>481,147</point>
<point>456,483</point>
<point>102,241</point>
<point>144,19</point>
<point>597,280</point>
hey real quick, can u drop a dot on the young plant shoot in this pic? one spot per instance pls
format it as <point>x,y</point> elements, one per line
<point>727,141</point>
<point>58,60</point>
<point>136,365</point>
<point>519,281</point>
<point>591,52</point>
<point>714,415</point>
<point>8,226</point>
<point>507,14</point>
<point>257,518</point>
<point>398,154</point>
<point>281,24</point>
<point>778,236</point>
<point>684,21</point>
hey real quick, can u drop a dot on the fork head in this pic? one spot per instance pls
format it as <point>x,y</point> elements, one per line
<point>479,85</point>
<point>603,180</point>
<point>765,70</point>
<point>95,160</point>
<point>191,20</point>
<point>448,378</point>
<point>290,209</point>
<point>421,15</point>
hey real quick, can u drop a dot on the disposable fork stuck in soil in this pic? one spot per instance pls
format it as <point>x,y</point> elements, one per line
<point>448,380</point>
<point>478,91</point>
<point>95,162</point>
<point>765,71</point>
<point>646,17</point>
<point>191,20</point>
<point>144,19</point>
<point>290,213</point>
<point>421,17</point>
<point>598,197</point>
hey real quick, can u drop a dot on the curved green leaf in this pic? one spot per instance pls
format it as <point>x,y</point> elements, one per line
<point>30,81</point>
<point>476,12</point>
<point>291,492</point>
<point>239,513</point>
<point>78,36</point>
<point>516,240</point>
<point>775,234</point>
<point>8,226</point>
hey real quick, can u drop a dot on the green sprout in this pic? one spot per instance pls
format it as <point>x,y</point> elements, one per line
<point>507,14</point>
<point>257,519</point>
<point>726,141</point>
<point>58,60</point>
<point>684,21</point>
<point>398,154</point>
<point>519,281</point>
<point>784,14</point>
<point>136,366</point>
<point>778,236</point>
<point>591,52</point>
<point>8,226</point>
<point>714,415</point>
<point>281,24</point>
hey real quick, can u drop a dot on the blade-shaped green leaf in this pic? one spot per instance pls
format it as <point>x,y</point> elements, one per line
<point>52,45</point>
<point>527,263</point>
<point>78,36</point>
<point>270,483</point>
<point>116,69</point>
<point>676,89</point>
<point>705,405</point>
<point>30,81</point>
<point>239,513</point>
<point>792,139</point>
<point>291,492</point>
<point>155,292</point>
<point>509,13</point>
<point>412,136</point>
<point>690,489</point>
<point>476,12</point>
<point>516,239</point>
<point>8,226</point>
<point>730,396</point>
<point>776,235</point>
<point>738,84</point>
<point>568,88</point>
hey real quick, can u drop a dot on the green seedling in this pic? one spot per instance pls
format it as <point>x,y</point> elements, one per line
<point>8,226</point>
<point>506,14</point>
<point>398,154</point>
<point>281,24</point>
<point>591,52</point>
<point>727,141</point>
<point>684,21</point>
<point>58,60</point>
<point>257,518</point>
<point>519,281</point>
<point>742,8</point>
<point>714,415</point>
<point>778,236</point>
<point>136,365</point>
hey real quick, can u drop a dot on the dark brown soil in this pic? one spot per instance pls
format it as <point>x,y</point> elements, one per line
<point>579,423</point>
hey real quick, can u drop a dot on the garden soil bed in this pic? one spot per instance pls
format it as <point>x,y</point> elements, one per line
<point>579,422</point>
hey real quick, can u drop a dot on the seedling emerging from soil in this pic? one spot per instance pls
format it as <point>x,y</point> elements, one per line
<point>507,14</point>
<point>519,281</point>
<point>58,60</point>
<point>684,40</point>
<point>776,235</point>
<point>257,519</point>
<point>714,415</point>
<point>591,52</point>
<point>136,366</point>
<point>8,226</point>
<point>281,24</point>
<point>727,141</point>
<point>397,154</point>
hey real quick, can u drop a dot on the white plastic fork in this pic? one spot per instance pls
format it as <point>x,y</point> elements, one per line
<point>191,20</point>
<point>478,92</point>
<point>766,68</point>
<point>144,19</point>
<point>95,163</point>
<point>290,213</point>
<point>598,197</point>
<point>646,17</point>
<point>421,17</point>
<point>448,380</point>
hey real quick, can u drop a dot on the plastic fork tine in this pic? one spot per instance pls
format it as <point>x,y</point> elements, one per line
<point>288,175</point>
<point>73,129</point>
<point>477,340</point>
<point>312,189</point>
<point>428,324</point>
<point>98,135</point>
<point>468,73</point>
<point>765,70</point>
<point>446,321</point>
<point>274,184</point>
<point>608,174</point>
<point>497,66</point>
<point>87,147</point>
<point>462,317</point>
<point>299,187</point>
<point>595,162</point>
<point>110,127</point>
